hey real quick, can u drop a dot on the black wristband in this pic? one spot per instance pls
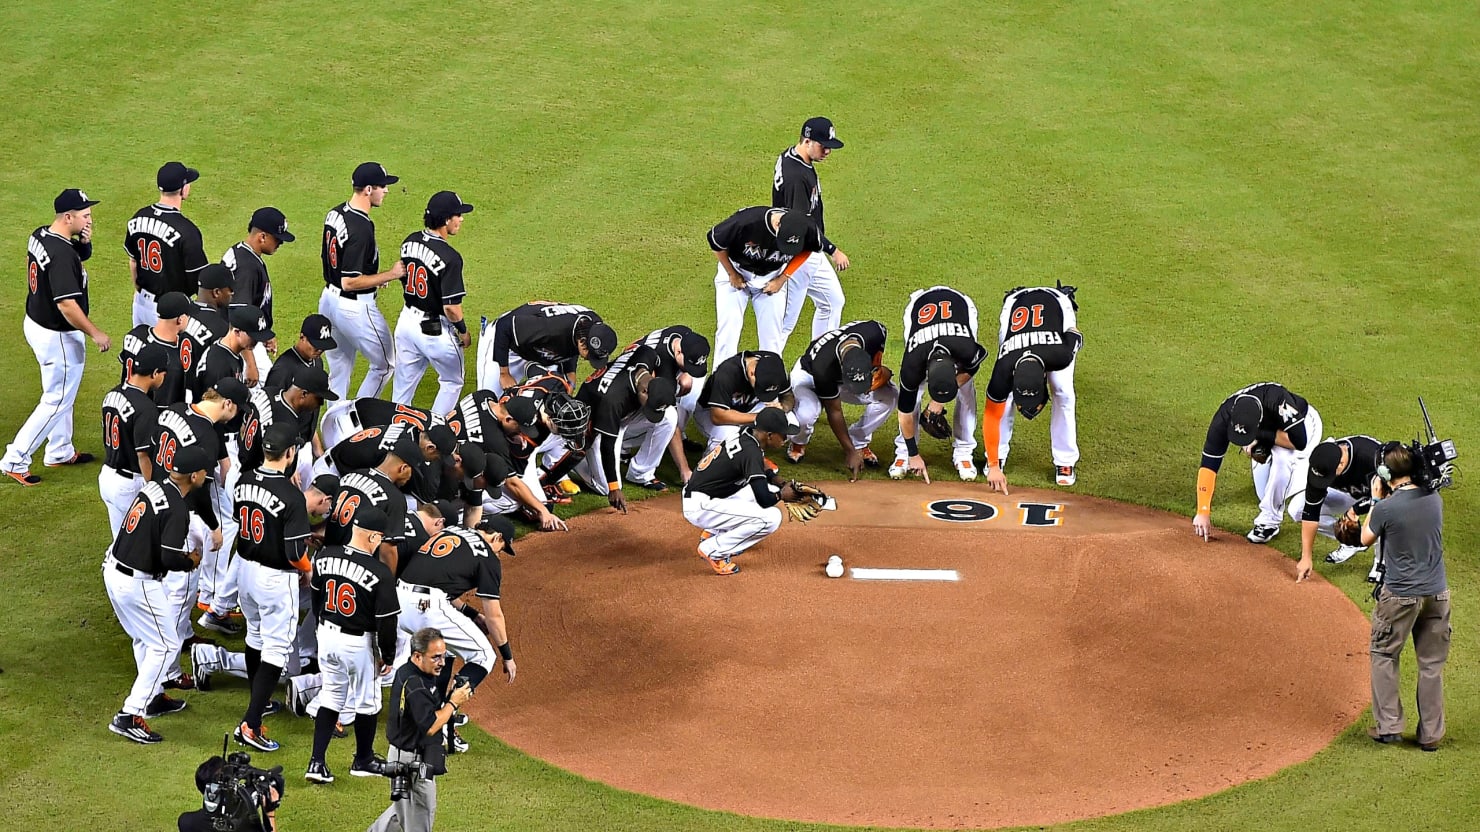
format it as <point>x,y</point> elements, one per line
<point>505,652</point>
<point>912,446</point>
<point>460,326</point>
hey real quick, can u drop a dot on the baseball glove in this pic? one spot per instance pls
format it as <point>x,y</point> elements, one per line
<point>802,502</point>
<point>882,376</point>
<point>1348,531</point>
<point>935,424</point>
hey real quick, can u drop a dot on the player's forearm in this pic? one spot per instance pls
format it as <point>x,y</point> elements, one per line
<point>146,465</point>
<point>360,282</point>
<point>472,515</point>
<point>498,628</point>
<point>76,317</point>
<point>839,424</point>
<point>727,264</point>
<point>389,555</point>
<point>133,272</point>
<point>1307,538</point>
<point>726,416</point>
<point>517,487</point>
<point>992,431</point>
<point>675,452</point>
<point>452,311</point>
<point>1207,480</point>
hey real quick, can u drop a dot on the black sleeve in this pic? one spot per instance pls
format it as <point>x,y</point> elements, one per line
<point>357,251</point>
<point>385,637</point>
<point>422,703</point>
<point>503,338</point>
<point>174,536</point>
<point>66,281</point>
<point>1296,432</point>
<point>202,506</point>
<point>793,193</point>
<point>1216,444</point>
<point>974,361</point>
<point>609,465</point>
<point>564,465</point>
<point>720,392</point>
<point>146,424</point>
<point>195,251</point>
<point>490,578</point>
<point>722,236</point>
<point>999,386</point>
<point>452,282</point>
<point>761,487</point>
<point>83,248</point>
<point>1314,499</point>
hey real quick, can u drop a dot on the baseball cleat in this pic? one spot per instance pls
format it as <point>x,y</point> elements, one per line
<point>456,744</point>
<point>458,720</point>
<point>1262,534</point>
<point>297,702</point>
<point>181,682</point>
<point>1064,475</point>
<point>77,459</point>
<point>25,478</point>
<point>204,661</point>
<point>569,486</point>
<point>339,732</point>
<point>162,705</point>
<point>653,484</point>
<point>255,739</point>
<point>1343,554</point>
<point>900,467</point>
<point>555,496</point>
<point>795,453</point>
<point>371,766</point>
<point>705,535</point>
<point>134,728</point>
<point>273,706</point>
<point>870,460</point>
<point>966,470</point>
<point>721,565</point>
<point>220,623</point>
<point>771,466</point>
<point>318,772</point>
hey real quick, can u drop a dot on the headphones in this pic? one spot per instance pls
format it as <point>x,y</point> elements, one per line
<point>1383,472</point>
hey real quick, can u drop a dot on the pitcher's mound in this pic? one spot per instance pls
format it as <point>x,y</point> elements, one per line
<point>1090,658</point>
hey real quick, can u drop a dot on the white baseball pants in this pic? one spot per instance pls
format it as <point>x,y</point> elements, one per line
<point>145,311</point>
<point>118,492</point>
<point>269,601</point>
<point>423,606</point>
<point>218,569</point>
<point>143,608</point>
<point>1282,478</point>
<point>347,663</point>
<point>415,351</point>
<point>818,280</point>
<point>737,522</point>
<point>877,405</point>
<point>963,425</point>
<point>359,328</point>
<point>645,441</point>
<point>729,313</point>
<point>1063,426</point>
<point>61,356</point>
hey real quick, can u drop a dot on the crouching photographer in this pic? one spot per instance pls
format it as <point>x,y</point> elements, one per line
<point>419,714</point>
<point>1412,594</point>
<point>236,797</point>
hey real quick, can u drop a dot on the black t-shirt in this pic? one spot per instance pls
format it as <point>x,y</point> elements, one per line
<point>434,273</point>
<point>54,273</point>
<point>795,186</point>
<point>207,324</point>
<point>286,368</point>
<point>353,590</point>
<point>729,388</point>
<point>349,248</point>
<point>1034,322</point>
<point>413,705</point>
<point>823,361</point>
<point>181,426</point>
<point>167,249</point>
<point>1356,481</point>
<point>252,286</point>
<point>936,320</point>
<point>130,420</point>
<point>1282,411</point>
<point>747,238</point>
<point>455,560</point>
<point>541,333</point>
<point>153,538</point>
<point>362,489</point>
<point>273,516</point>
<point>729,467</point>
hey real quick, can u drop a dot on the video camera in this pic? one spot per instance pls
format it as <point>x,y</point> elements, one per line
<point>1435,457</point>
<point>240,795</point>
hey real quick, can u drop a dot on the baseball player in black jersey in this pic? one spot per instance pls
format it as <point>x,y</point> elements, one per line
<point>538,338</point>
<point>795,186</point>
<point>740,387</point>
<point>293,406</point>
<point>1277,430</point>
<point>758,249</point>
<point>150,544</point>
<point>632,412</point>
<point>272,543</point>
<point>130,420</point>
<point>56,320</point>
<point>432,330</point>
<point>498,427</point>
<point>266,232</point>
<point>226,357</point>
<point>683,355</point>
<point>941,355</point>
<point>348,418</point>
<point>165,249</point>
<point>729,498</point>
<point>844,365</point>
<point>168,330</point>
<point>1337,483</point>
<point>212,307</point>
<point>315,337</point>
<point>1037,343</point>
<point>354,597</point>
<point>379,488</point>
<point>352,274</point>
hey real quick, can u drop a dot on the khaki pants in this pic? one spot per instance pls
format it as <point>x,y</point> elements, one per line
<point>1427,618</point>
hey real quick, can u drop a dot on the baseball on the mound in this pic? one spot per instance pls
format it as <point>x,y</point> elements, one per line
<point>835,566</point>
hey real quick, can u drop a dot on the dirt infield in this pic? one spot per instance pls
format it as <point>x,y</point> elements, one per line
<point>1092,658</point>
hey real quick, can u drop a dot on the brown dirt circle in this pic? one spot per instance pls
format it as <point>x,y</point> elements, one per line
<point>1106,663</point>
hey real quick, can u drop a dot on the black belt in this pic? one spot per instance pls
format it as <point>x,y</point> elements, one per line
<point>137,573</point>
<point>122,473</point>
<point>352,633</point>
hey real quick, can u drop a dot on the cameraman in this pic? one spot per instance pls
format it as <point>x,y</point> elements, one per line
<point>201,820</point>
<point>1412,596</point>
<point>418,715</point>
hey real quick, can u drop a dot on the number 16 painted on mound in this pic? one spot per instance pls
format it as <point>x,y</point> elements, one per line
<point>975,511</point>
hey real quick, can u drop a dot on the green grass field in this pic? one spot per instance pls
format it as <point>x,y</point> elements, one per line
<point>1242,192</point>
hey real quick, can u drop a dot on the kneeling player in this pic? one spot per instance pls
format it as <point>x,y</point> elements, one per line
<point>1337,483</point>
<point>729,498</point>
<point>844,365</point>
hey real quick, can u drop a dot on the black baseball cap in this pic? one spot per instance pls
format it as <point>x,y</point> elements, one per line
<point>319,332</point>
<point>601,339</point>
<point>820,129</point>
<point>316,381</point>
<point>216,276</point>
<point>1324,461</point>
<point>233,391</point>
<point>190,459</point>
<point>249,319</point>
<point>500,524</point>
<point>442,438</point>
<point>72,199</point>
<point>770,377</point>
<point>662,394</point>
<point>1029,386</point>
<point>791,233</point>
<point>371,519</point>
<point>1243,420</point>
<point>858,371</point>
<point>327,484</point>
<point>523,409</point>
<point>174,176</point>
<point>153,358</point>
<point>279,437</point>
<point>373,173</point>
<point>695,354</point>
<point>407,449</point>
<point>173,305</point>
<point>447,204</point>
<point>474,463</point>
<point>940,378</point>
<point>271,221</point>
<point>776,420</point>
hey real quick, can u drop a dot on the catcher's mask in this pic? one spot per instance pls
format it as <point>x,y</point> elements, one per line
<point>940,378</point>
<point>572,418</point>
<point>1029,386</point>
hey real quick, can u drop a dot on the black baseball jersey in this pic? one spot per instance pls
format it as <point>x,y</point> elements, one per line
<point>154,534</point>
<point>252,286</point>
<point>379,413</point>
<point>542,333</point>
<point>455,560</point>
<point>167,249</point>
<point>661,341</point>
<point>795,186</point>
<point>747,238</point>
<point>729,467</point>
<point>1365,453</point>
<point>823,361</point>
<point>368,447</point>
<point>434,273</point>
<point>1034,322</point>
<point>181,426</point>
<point>1282,411</point>
<point>130,420</point>
<point>173,389</point>
<point>728,387</point>
<point>473,420</point>
<point>265,408</point>
<point>361,489</point>
<point>207,323</point>
<point>273,517</point>
<point>287,366</point>
<point>349,248</point>
<point>54,273</point>
<point>217,363</point>
<point>938,319</point>
<point>353,590</point>
<point>612,391</point>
